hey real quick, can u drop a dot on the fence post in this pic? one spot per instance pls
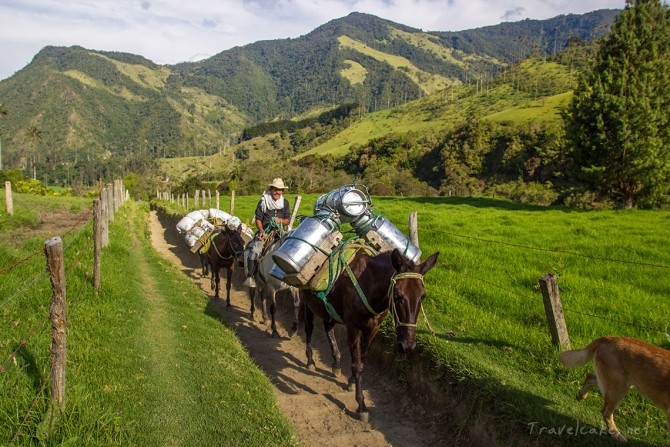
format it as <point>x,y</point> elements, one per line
<point>54,253</point>
<point>232,202</point>
<point>104,204</point>
<point>97,242</point>
<point>413,228</point>
<point>8,198</point>
<point>554,311</point>
<point>217,200</point>
<point>296,205</point>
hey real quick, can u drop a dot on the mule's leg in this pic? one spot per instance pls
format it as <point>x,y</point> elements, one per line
<point>273,311</point>
<point>336,367</point>
<point>252,295</point>
<point>215,282</point>
<point>309,328</point>
<point>354,339</point>
<point>296,310</point>
<point>229,283</point>
<point>263,291</point>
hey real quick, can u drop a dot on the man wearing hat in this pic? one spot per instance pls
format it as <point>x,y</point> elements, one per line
<point>272,212</point>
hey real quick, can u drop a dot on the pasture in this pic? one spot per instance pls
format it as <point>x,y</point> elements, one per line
<point>492,352</point>
<point>489,356</point>
<point>136,375</point>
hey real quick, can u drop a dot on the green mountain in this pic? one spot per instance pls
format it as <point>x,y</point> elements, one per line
<point>75,115</point>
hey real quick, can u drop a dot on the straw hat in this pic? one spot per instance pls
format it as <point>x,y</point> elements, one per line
<point>277,183</point>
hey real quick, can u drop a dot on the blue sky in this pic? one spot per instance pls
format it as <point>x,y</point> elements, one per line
<point>172,31</point>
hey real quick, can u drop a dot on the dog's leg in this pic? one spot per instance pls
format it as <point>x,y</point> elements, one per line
<point>614,388</point>
<point>590,381</point>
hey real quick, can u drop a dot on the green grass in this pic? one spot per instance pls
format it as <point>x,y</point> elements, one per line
<point>499,367</point>
<point>149,363</point>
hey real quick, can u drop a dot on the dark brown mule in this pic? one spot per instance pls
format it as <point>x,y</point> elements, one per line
<point>385,281</point>
<point>225,251</point>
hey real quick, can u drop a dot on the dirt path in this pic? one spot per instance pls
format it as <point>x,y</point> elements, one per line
<point>316,402</point>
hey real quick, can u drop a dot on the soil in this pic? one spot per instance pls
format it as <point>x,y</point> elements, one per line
<point>317,403</point>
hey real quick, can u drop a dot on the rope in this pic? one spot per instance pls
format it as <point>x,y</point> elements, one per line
<point>392,306</point>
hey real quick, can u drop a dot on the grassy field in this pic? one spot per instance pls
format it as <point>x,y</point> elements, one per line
<point>148,362</point>
<point>491,353</point>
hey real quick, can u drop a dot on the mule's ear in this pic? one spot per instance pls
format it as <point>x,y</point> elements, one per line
<point>239,229</point>
<point>429,263</point>
<point>397,260</point>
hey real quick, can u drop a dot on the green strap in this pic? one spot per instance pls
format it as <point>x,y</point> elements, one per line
<point>329,307</point>
<point>359,290</point>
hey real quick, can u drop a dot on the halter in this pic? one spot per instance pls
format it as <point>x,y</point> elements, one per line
<point>392,305</point>
<point>230,243</point>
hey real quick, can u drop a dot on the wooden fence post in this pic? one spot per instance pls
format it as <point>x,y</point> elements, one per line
<point>104,204</point>
<point>217,200</point>
<point>8,198</point>
<point>232,202</point>
<point>97,242</point>
<point>55,263</point>
<point>413,228</point>
<point>554,310</point>
<point>296,205</point>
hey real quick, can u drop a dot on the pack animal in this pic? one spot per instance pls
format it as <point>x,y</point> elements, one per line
<point>619,363</point>
<point>267,287</point>
<point>225,251</point>
<point>361,298</point>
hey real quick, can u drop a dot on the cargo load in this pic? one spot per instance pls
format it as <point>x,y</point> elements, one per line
<point>197,226</point>
<point>306,256</point>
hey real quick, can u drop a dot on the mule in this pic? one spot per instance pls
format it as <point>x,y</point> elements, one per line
<point>267,287</point>
<point>360,299</point>
<point>225,250</point>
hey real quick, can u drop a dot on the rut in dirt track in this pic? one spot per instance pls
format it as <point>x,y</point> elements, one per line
<point>315,402</point>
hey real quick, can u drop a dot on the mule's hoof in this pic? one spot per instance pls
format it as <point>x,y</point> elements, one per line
<point>350,387</point>
<point>311,367</point>
<point>337,372</point>
<point>364,416</point>
<point>275,334</point>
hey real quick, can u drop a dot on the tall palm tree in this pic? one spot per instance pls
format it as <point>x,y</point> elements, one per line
<point>3,112</point>
<point>34,134</point>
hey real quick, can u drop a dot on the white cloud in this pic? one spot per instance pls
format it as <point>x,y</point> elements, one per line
<point>172,31</point>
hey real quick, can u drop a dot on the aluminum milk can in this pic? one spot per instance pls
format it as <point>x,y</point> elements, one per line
<point>300,245</point>
<point>381,232</point>
<point>347,201</point>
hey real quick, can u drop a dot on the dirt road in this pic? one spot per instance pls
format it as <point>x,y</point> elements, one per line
<point>316,402</point>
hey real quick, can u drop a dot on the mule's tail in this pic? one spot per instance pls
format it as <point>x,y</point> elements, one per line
<point>579,357</point>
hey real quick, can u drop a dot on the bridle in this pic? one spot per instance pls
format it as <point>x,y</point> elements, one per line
<point>230,244</point>
<point>392,305</point>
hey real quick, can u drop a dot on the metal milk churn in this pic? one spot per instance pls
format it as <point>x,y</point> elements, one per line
<point>381,234</point>
<point>302,253</point>
<point>347,201</point>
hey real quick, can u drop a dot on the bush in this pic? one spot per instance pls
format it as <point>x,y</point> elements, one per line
<point>527,193</point>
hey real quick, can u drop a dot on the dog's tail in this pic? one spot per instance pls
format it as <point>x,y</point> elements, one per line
<point>579,357</point>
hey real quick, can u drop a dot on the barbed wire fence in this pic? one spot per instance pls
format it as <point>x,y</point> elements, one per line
<point>109,201</point>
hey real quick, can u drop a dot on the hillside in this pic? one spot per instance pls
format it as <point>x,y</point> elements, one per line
<point>75,115</point>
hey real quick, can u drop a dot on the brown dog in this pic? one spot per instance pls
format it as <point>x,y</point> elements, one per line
<point>622,362</point>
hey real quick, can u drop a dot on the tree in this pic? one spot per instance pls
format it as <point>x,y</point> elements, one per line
<point>617,121</point>
<point>3,112</point>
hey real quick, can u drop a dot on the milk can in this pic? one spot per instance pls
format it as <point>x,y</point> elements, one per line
<point>347,201</point>
<point>301,244</point>
<point>380,232</point>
